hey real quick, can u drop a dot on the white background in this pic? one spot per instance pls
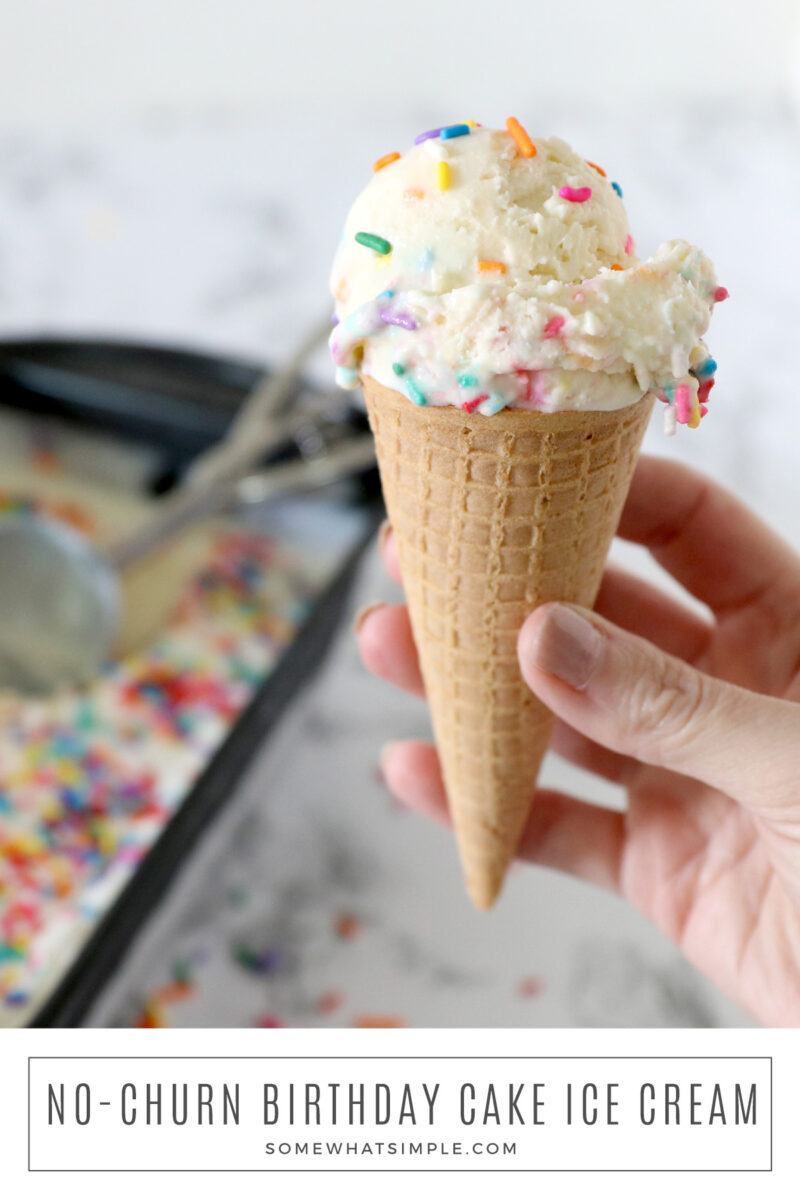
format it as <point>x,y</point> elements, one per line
<point>62,62</point>
<point>785,1047</point>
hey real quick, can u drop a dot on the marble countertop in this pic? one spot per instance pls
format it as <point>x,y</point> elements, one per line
<point>217,235</point>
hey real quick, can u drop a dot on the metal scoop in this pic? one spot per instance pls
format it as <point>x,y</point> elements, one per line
<point>60,596</point>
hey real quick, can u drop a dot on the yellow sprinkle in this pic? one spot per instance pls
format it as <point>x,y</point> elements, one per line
<point>383,260</point>
<point>697,355</point>
<point>443,176</point>
<point>471,124</point>
<point>694,419</point>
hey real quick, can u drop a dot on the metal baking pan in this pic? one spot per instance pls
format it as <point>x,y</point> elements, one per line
<point>180,402</point>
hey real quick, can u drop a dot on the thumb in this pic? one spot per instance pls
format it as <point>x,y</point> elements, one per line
<point>624,693</point>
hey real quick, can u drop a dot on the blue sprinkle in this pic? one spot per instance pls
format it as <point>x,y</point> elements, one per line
<point>454,131</point>
<point>706,369</point>
<point>617,189</point>
<point>415,393</point>
<point>493,405</point>
<point>398,368</point>
<point>467,381</point>
<point>387,295</point>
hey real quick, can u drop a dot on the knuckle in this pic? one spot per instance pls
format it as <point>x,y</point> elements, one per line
<point>667,702</point>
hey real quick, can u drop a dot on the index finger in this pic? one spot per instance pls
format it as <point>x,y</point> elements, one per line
<point>707,539</point>
<point>387,544</point>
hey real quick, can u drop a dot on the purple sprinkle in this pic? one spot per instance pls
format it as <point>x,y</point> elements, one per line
<point>404,320</point>
<point>432,133</point>
<point>334,319</point>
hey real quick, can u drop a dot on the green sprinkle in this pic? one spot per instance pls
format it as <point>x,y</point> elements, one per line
<point>398,368</point>
<point>467,380</point>
<point>373,242</point>
<point>414,392</point>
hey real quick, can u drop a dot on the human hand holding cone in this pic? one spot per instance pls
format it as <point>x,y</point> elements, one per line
<point>510,346</point>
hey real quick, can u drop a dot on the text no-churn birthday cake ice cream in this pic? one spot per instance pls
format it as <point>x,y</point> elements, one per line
<point>510,345</point>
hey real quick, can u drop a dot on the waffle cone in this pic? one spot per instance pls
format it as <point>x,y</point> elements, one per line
<point>494,516</point>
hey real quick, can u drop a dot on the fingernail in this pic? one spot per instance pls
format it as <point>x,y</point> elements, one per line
<point>363,613</point>
<point>384,534</point>
<point>567,646</point>
<point>386,752</point>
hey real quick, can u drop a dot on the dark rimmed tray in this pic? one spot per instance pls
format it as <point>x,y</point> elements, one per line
<point>181,402</point>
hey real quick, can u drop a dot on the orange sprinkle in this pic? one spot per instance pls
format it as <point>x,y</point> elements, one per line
<point>616,267</point>
<point>346,926</point>
<point>45,461</point>
<point>151,1017</point>
<point>380,163</point>
<point>599,169</point>
<point>520,136</point>
<point>413,194</point>
<point>485,264</point>
<point>173,992</point>
<point>376,1021</point>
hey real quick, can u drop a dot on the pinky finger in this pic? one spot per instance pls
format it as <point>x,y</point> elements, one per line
<point>562,833</point>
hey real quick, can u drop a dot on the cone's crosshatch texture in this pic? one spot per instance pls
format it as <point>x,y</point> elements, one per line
<point>494,516</point>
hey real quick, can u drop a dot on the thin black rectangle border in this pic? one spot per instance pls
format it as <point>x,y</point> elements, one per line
<point>410,1170</point>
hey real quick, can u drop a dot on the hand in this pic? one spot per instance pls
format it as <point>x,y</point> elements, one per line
<point>698,718</point>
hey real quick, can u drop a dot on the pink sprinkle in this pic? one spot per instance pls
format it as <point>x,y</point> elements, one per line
<point>721,294</point>
<point>531,986</point>
<point>683,409</point>
<point>329,1002</point>
<point>269,1021</point>
<point>554,327</point>
<point>629,244</point>
<point>703,410</point>
<point>470,405</point>
<point>576,195</point>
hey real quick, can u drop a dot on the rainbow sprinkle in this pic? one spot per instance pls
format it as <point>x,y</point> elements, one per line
<point>575,195</point>
<point>430,133</point>
<point>373,242</point>
<point>380,163</point>
<point>415,393</point>
<point>520,136</point>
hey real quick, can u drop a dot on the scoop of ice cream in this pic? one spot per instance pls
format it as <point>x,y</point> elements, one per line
<point>488,270</point>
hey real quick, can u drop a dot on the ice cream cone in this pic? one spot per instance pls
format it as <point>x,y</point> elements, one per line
<point>494,516</point>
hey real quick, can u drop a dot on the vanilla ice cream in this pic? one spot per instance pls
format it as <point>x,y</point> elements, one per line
<point>488,270</point>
